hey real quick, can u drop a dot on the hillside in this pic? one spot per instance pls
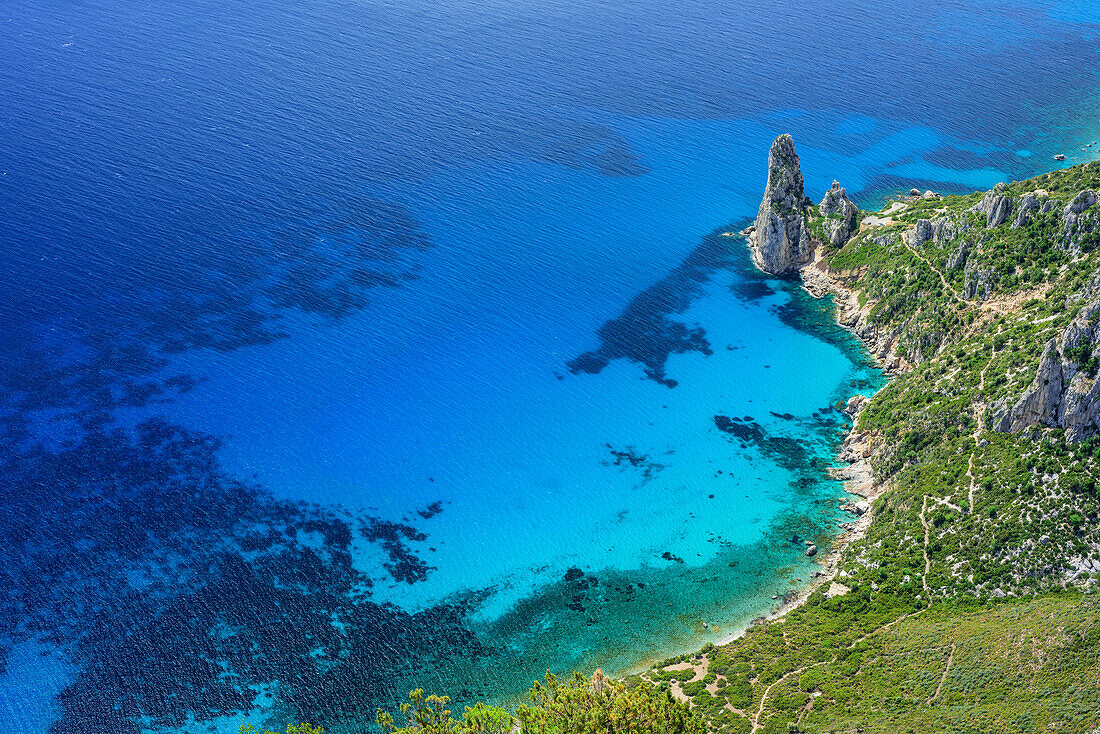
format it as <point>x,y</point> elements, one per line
<point>968,602</point>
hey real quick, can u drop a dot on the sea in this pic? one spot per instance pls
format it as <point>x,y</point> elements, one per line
<point>351,346</point>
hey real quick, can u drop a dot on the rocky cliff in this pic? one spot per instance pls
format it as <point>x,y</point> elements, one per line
<point>1065,392</point>
<point>780,241</point>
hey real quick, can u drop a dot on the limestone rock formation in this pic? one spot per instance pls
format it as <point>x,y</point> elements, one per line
<point>780,241</point>
<point>944,229</point>
<point>1074,219</point>
<point>996,205</point>
<point>1065,392</point>
<point>957,258</point>
<point>1028,205</point>
<point>977,283</point>
<point>841,216</point>
<point>921,233</point>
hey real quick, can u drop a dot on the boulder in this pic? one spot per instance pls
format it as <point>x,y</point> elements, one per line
<point>781,242</point>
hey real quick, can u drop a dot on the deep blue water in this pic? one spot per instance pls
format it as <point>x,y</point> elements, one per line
<point>350,347</point>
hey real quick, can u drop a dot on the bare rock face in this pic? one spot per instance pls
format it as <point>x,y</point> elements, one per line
<point>1075,222</point>
<point>977,283</point>
<point>780,241</point>
<point>996,205</point>
<point>940,230</point>
<point>1028,205</point>
<point>841,215</point>
<point>957,258</point>
<point>1084,200</point>
<point>1038,406</point>
<point>921,233</point>
<point>854,404</point>
<point>944,229</point>
<point>1065,392</point>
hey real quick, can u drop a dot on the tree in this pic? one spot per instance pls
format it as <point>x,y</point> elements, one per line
<point>302,728</point>
<point>574,706</point>
<point>430,715</point>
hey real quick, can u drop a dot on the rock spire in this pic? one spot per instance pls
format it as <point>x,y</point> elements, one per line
<point>780,242</point>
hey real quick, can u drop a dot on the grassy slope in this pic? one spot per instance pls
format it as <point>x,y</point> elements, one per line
<point>996,519</point>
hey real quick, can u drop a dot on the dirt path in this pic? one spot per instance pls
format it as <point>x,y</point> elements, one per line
<point>944,676</point>
<point>970,473</point>
<point>927,560</point>
<point>764,699</point>
<point>754,718</point>
<point>979,408</point>
<point>935,270</point>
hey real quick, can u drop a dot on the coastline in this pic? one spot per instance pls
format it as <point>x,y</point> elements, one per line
<point>772,676</point>
<point>856,448</point>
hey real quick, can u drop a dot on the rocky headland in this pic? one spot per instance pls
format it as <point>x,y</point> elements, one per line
<point>961,595</point>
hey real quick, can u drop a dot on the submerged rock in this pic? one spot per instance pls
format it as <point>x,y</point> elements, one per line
<point>780,242</point>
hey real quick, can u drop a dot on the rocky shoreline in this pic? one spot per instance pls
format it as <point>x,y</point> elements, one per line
<point>781,242</point>
<point>856,449</point>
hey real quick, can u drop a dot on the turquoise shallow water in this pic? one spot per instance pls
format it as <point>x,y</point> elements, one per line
<point>350,347</point>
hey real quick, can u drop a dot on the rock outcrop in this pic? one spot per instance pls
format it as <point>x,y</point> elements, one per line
<point>944,229</point>
<point>841,216</point>
<point>977,283</point>
<point>957,258</point>
<point>996,205</point>
<point>940,230</point>
<point>1025,209</point>
<point>780,242</point>
<point>855,317</point>
<point>920,233</point>
<point>1074,219</point>
<point>1065,392</point>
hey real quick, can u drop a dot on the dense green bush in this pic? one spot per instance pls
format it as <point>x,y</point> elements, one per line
<point>574,705</point>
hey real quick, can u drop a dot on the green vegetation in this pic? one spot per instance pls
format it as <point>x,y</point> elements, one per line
<point>872,662</point>
<point>290,729</point>
<point>970,604</point>
<point>572,706</point>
